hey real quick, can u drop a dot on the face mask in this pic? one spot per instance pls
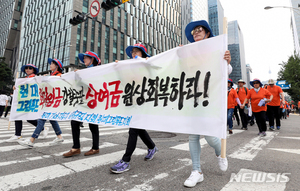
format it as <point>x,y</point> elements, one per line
<point>257,89</point>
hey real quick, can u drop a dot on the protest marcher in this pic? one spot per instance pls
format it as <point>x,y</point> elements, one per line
<point>30,70</point>
<point>299,107</point>
<point>273,107</point>
<point>9,102</point>
<point>258,97</point>
<point>56,67</point>
<point>242,93</point>
<point>197,31</point>
<point>3,102</point>
<point>90,59</point>
<point>137,50</point>
<point>232,98</point>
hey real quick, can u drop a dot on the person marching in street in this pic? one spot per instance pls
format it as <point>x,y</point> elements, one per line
<point>258,98</point>
<point>90,59</point>
<point>242,93</point>
<point>197,31</point>
<point>137,50</point>
<point>232,99</point>
<point>3,102</point>
<point>30,70</point>
<point>273,108</point>
<point>9,102</point>
<point>56,67</point>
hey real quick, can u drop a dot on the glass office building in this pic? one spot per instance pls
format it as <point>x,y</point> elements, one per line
<point>216,15</point>
<point>10,25</point>
<point>192,10</point>
<point>236,48</point>
<point>155,23</point>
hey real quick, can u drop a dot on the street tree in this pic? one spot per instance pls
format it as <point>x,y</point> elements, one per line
<point>290,71</point>
<point>6,77</point>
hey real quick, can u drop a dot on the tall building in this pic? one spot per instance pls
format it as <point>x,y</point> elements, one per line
<point>155,23</point>
<point>216,16</point>
<point>296,23</point>
<point>10,25</point>
<point>192,10</point>
<point>236,47</point>
<point>248,73</point>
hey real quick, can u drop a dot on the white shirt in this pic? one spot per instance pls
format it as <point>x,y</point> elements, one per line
<point>3,99</point>
<point>9,99</point>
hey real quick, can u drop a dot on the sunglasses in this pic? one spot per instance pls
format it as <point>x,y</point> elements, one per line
<point>197,30</point>
<point>30,68</point>
<point>256,83</point>
<point>134,51</point>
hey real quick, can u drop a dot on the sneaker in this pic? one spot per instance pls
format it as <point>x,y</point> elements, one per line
<point>278,127</point>
<point>120,167</point>
<point>223,163</point>
<point>45,132</point>
<point>259,133</point>
<point>271,128</point>
<point>246,128</point>
<point>194,178</point>
<point>26,143</point>
<point>151,153</point>
<point>14,138</point>
<point>230,131</point>
<point>263,134</point>
<point>56,141</point>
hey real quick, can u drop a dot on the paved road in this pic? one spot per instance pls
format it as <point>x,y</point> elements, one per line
<point>255,163</point>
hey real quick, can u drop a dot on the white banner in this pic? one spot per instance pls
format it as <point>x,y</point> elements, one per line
<point>181,90</point>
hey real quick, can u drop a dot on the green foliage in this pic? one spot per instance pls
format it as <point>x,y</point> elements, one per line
<point>290,71</point>
<point>6,78</point>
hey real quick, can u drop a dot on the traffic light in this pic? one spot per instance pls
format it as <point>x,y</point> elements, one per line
<point>109,4</point>
<point>78,19</point>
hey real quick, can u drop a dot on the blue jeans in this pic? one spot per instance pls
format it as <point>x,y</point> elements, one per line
<point>40,127</point>
<point>195,148</point>
<point>229,118</point>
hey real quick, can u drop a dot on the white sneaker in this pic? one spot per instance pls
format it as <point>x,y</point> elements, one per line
<point>194,178</point>
<point>223,163</point>
<point>26,143</point>
<point>14,138</point>
<point>56,141</point>
<point>45,132</point>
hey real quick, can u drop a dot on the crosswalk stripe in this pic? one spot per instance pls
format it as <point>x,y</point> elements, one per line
<point>6,163</point>
<point>251,149</point>
<point>294,151</point>
<point>297,138</point>
<point>49,136</point>
<point>35,176</point>
<point>185,146</point>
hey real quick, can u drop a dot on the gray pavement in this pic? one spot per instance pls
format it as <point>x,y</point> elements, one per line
<point>268,163</point>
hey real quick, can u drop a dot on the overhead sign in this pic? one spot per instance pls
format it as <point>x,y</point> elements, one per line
<point>283,84</point>
<point>95,8</point>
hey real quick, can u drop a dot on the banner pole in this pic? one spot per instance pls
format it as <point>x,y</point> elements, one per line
<point>223,141</point>
<point>10,106</point>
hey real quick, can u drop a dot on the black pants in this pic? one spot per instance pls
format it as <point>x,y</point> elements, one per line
<point>261,120</point>
<point>132,139</point>
<point>19,126</point>
<point>7,110</point>
<point>2,107</point>
<point>76,134</point>
<point>236,115</point>
<point>273,112</point>
<point>244,117</point>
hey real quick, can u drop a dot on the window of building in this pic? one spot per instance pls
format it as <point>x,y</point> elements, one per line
<point>99,39</point>
<point>16,24</point>
<point>106,45</point>
<point>93,35</point>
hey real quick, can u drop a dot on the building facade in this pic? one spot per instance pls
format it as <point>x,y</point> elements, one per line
<point>155,23</point>
<point>192,10</point>
<point>10,25</point>
<point>215,16</point>
<point>236,48</point>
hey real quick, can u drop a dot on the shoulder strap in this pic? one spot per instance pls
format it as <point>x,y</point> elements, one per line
<point>245,90</point>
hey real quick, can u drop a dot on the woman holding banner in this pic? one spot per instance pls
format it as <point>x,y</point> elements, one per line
<point>90,59</point>
<point>56,67</point>
<point>258,96</point>
<point>30,70</point>
<point>197,31</point>
<point>135,51</point>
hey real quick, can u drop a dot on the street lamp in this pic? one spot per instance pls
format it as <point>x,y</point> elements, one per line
<point>270,7</point>
<point>54,49</point>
